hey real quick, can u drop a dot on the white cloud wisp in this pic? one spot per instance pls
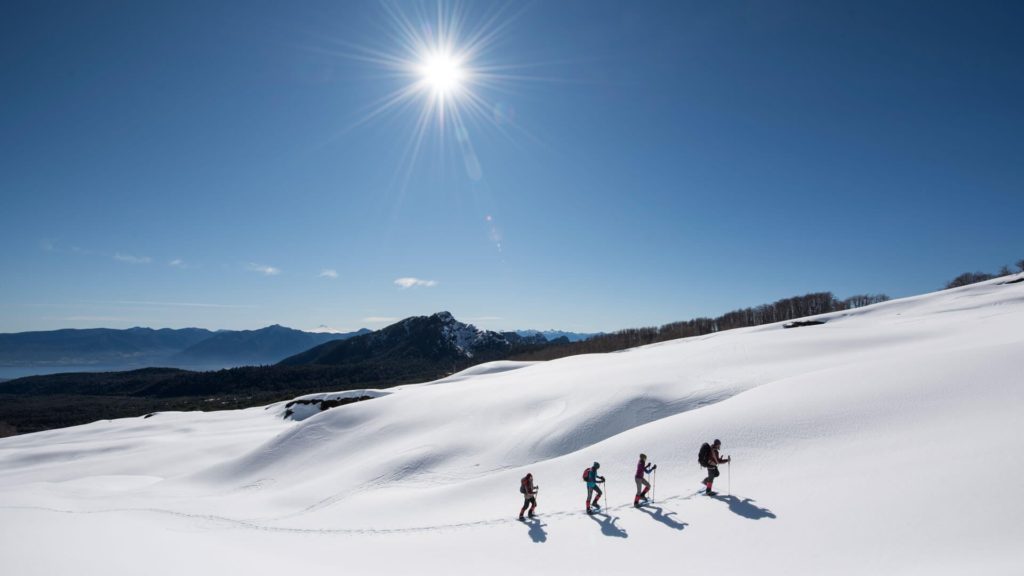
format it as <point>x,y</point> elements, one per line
<point>406,283</point>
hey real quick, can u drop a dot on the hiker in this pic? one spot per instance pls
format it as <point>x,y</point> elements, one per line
<point>529,492</point>
<point>710,458</point>
<point>642,485</point>
<point>590,475</point>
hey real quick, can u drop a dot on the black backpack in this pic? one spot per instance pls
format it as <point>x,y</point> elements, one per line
<point>704,454</point>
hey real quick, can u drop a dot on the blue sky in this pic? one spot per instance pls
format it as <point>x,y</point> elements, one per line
<point>212,164</point>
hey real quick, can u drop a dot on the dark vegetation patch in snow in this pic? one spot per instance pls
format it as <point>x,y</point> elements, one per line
<point>802,323</point>
<point>150,415</point>
<point>323,404</point>
<point>1013,281</point>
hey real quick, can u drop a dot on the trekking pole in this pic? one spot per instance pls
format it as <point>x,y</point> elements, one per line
<point>654,484</point>
<point>730,476</point>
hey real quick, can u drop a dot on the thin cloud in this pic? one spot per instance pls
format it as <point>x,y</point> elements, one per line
<point>328,273</point>
<point>263,269</point>
<point>406,283</point>
<point>174,304</point>
<point>132,259</point>
<point>177,263</point>
<point>115,319</point>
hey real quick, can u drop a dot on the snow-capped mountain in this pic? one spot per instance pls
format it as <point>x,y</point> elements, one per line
<point>438,338</point>
<point>884,440</point>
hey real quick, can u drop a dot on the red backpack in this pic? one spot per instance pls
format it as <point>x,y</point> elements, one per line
<point>586,475</point>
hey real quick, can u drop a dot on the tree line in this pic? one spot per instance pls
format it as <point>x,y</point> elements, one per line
<point>778,311</point>
<point>974,277</point>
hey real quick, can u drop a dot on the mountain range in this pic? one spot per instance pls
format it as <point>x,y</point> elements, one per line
<point>415,349</point>
<point>195,348</point>
<point>106,349</point>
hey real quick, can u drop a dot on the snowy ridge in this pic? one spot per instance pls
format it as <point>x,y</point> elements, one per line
<point>466,337</point>
<point>873,443</point>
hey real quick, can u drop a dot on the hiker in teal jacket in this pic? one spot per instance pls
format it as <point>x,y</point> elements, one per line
<point>592,481</point>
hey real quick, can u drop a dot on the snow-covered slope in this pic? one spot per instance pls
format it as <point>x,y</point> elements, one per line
<point>886,440</point>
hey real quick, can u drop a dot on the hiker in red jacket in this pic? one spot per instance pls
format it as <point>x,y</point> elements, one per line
<point>529,492</point>
<point>642,485</point>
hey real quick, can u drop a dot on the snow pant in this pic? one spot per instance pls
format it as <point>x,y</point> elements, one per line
<point>528,499</point>
<point>590,491</point>
<point>712,474</point>
<point>642,487</point>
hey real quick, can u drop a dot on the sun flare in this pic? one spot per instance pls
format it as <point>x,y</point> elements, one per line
<point>443,73</point>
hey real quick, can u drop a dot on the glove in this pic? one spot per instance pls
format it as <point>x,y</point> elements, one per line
<point>655,467</point>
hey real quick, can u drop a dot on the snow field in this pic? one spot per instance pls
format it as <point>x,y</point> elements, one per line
<point>887,440</point>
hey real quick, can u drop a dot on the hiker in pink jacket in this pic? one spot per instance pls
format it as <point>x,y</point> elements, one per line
<point>642,485</point>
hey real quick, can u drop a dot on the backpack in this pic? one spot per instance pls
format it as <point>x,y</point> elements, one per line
<point>522,485</point>
<point>586,475</point>
<point>704,454</point>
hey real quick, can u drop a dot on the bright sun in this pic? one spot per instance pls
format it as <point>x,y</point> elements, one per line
<point>441,67</point>
<point>443,73</point>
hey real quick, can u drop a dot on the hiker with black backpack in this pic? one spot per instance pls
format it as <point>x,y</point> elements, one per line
<point>529,492</point>
<point>592,479</point>
<point>642,485</point>
<point>709,457</point>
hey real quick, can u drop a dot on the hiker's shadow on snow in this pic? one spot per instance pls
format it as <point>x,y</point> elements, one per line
<point>745,507</point>
<point>608,527</point>
<point>659,514</point>
<point>537,532</point>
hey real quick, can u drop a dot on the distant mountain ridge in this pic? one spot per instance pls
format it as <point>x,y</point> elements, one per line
<point>96,345</point>
<point>437,339</point>
<point>556,334</point>
<point>113,349</point>
<point>254,347</point>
